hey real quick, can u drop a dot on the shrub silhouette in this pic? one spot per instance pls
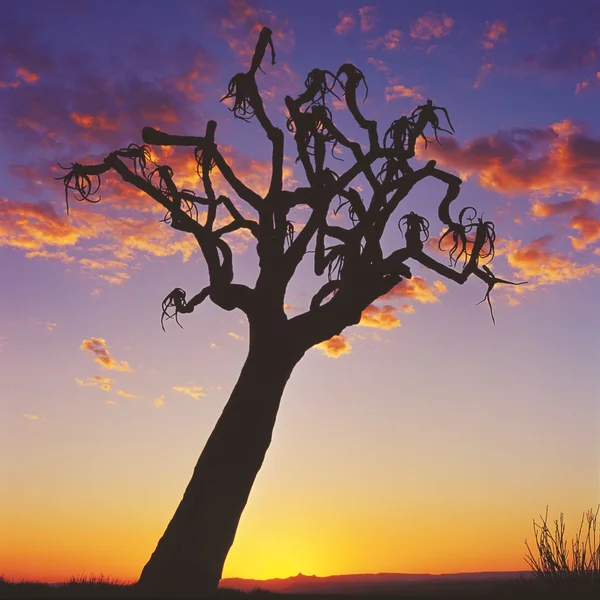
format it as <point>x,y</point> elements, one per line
<point>557,563</point>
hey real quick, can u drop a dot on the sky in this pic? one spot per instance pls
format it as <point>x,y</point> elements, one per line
<point>423,440</point>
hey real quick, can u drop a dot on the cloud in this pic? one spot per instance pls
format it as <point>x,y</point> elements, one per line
<point>586,84</point>
<point>32,226</point>
<point>564,56</point>
<point>367,19</point>
<point>493,33</point>
<point>194,391</point>
<point>389,41</point>
<point>31,417</point>
<point>484,70</point>
<point>240,21</point>
<point>102,383</point>
<point>346,22</point>
<point>93,121</point>
<point>431,25</point>
<point>561,158</point>
<point>235,336</point>
<point>159,402</point>
<point>394,92</point>
<point>584,218</point>
<point>39,230</point>
<point>97,346</point>
<point>416,289</point>
<point>126,394</point>
<point>537,264</point>
<point>380,318</point>
<point>335,346</point>
<point>378,64</point>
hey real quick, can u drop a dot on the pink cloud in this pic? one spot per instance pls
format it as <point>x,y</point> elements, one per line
<point>431,25</point>
<point>346,22</point>
<point>493,33</point>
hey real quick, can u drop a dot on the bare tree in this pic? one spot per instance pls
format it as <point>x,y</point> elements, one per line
<point>190,555</point>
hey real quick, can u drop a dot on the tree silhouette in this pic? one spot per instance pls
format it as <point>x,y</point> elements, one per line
<point>190,555</point>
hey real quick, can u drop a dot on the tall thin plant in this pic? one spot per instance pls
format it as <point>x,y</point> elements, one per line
<point>555,561</point>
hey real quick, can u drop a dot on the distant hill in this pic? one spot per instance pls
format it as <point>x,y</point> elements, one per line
<point>379,583</point>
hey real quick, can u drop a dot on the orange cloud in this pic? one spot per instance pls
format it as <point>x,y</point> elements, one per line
<point>97,346</point>
<point>93,122</point>
<point>367,19</point>
<point>26,75</point>
<point>537,264</point>
<point>159,402</point>
<point>399,91</point>
<point>583,218</point>
<point>335,346</point>
<point>561,158</point>
<point>96,381</point>
<point>37,227</point>
<point>493,33</point>
<point>346,22</point>
<point>125,394</point>
<point>431,25</point>
<point>379,318</point>
<point>416,289</point>
<point>194,391</point>
<point>31,226</point>
<point>235,336</point>
<point>45,254</point>
<point>390,41</point>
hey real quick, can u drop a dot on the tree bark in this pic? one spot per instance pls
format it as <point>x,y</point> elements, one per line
<point>188,560</point>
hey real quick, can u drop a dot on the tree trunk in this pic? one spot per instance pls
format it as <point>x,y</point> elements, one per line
<point>188,560</point>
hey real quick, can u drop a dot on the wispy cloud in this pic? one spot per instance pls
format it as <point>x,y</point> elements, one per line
<point>584,218</point>
<point>103,383</point>
<point>588,83</point>
<point>98,347</point>
<point>346,22</point>
<point>31,417</point>
<point>394,92</point>
<point>367,17</point>
<point>494,32</point>
<point>484,70</point>
<point>194,391</point>
<point>538,264</point>
<point>239,22</point>
<point>431,25</point>
<point>564,56</point>
<point>389,41</point>
<point>378,64</point>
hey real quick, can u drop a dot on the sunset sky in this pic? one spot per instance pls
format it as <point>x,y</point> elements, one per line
<point>425,439</point>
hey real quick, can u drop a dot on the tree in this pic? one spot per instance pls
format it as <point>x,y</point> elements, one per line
<point>190,555</point>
